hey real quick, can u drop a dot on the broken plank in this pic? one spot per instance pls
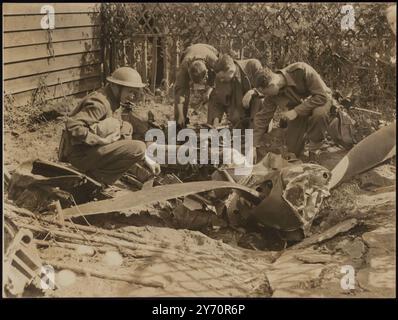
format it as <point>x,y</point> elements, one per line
<point>156,194</point>
<point>342,227</point>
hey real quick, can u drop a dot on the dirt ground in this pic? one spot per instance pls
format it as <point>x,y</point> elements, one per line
<point>190,263</point>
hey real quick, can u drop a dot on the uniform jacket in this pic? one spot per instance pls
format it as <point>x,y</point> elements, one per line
<point>97,106</point>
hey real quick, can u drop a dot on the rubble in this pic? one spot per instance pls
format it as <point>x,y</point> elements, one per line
<point>65,278</point>
<point>138,247</point>
<point>382,176</point>
<point>342,227</point>
<point>112,259</point>
<point>85,250</point>
<point>379,273</point>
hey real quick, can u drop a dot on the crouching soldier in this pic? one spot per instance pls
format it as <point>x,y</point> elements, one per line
<point>197,67</point>
<point>98,142</point>
<point>301,90</point>
<point>233,80</point>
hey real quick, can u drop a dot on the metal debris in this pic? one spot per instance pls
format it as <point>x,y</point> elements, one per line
<point>157,194</point>
<point>36,184</point>
<point>22,263</point>
<point>295,198</point>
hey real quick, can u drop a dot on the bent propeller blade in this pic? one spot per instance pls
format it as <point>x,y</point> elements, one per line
<point>374,149</point>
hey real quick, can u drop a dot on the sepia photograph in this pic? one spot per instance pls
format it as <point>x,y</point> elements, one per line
<point>229,150</point>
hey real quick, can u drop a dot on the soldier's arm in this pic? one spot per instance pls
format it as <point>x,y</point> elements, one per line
<point>254,68</point>
<point>78,125</point>
<point>211,62</point>
<point>262,120</point>
<point>318,92</point>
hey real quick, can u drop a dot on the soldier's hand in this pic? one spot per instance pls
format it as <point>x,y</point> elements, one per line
<point>290,115</point>
<point>152,165</point>
<point>247,99</point>
<point>155,169</point>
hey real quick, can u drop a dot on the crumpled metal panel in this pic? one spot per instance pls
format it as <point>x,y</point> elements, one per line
<point>374,149</point>
<point>274,211</point>
<point>295,198</point>
<point>45,175</point>
<point>306,185</point>
<point>22,263</point>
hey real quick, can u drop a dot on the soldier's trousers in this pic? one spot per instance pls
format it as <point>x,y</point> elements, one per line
<point>311,127</point>
<point>107,163</point>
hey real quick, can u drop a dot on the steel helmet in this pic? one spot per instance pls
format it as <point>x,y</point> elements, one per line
<point>126,76</point>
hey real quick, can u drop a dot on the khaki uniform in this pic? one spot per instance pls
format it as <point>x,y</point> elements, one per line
<point>227,97</point>
<point>105,163</point>
<point>182,84</point>
<point>306,93</point>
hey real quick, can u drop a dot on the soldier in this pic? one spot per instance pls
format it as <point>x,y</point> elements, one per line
<point>99,142</point>
<point>233,80</point>
<point>197,67</point>
<point>308,100</point>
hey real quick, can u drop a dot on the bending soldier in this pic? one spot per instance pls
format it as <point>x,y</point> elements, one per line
<point>197,67</point>
<point>300,89</point>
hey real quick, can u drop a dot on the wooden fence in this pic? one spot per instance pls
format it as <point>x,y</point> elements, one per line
<point>350,58</point>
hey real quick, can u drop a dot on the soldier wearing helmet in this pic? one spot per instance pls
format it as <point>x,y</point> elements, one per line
<point>99,143</point>
<point>197,67</point>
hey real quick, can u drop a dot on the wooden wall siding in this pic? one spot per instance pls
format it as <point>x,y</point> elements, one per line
<point>67,59</point>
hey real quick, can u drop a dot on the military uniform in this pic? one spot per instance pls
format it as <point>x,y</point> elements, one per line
<point>309,96</point>
<point>182,88</point>
<point>106,163</point>
<point>227,96</point>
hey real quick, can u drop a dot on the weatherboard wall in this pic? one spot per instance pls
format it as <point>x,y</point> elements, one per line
<point>66,60</point>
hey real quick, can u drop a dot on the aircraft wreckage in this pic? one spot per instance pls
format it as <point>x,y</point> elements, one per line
<point>281,194</point>
<point>285,195</point>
